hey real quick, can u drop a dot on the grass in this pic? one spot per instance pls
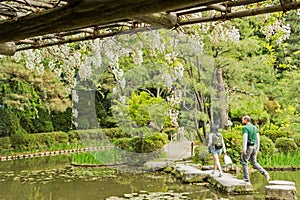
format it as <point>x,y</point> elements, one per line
<point>103,157</point>
<point>282,160</point>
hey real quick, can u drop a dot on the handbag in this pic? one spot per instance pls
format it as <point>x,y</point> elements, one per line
<point>227,160</point>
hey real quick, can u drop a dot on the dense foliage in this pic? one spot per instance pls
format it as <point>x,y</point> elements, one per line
<point>152,83</point>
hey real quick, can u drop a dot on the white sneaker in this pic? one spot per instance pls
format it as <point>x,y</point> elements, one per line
<point>267,175</point>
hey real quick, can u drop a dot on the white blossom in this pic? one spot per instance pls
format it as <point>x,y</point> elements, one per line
<point>138,57</point>
<point>85,70</point>
<point>75,112</point>
<point>277,28</point>
<point>178,71</point>
<point>123,99</point>
<point>96,50</point>
<point>75,97</point>
<point>168,80</point>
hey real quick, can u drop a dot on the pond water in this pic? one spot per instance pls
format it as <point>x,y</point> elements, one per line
<point>52,178</point>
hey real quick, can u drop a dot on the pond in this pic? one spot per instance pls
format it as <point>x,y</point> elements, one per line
<point>49,178</point>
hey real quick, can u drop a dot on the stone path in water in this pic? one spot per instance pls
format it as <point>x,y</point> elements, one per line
<point>228,183</point>
<point>178,152</point>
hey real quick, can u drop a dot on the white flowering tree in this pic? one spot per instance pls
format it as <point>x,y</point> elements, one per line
<point>199,74</point>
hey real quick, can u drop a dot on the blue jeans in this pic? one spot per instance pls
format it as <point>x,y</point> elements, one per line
<point>212,151</point>
<point>251,155</point>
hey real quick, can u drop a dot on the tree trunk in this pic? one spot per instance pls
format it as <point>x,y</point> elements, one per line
<point>196,123</point>
<point>222,98</point>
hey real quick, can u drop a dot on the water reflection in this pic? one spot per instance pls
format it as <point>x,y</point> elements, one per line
<point>49,178</point>
<point>259,181</point>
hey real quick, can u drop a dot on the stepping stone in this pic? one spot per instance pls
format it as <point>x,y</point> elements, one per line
<point>280,189</point>
<point>230,184</point>
<point>191,174</point>
<point>227,183</point>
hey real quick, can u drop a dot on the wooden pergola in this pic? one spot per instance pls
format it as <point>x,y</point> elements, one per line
<point>31,24</point>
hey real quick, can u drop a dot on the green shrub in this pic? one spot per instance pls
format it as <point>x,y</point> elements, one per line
<point>296,138</point>
<point>150,143</point>
<point>5,144</point>
<point>9,123</point>
<point>83,135</point>
<point>23,142</point>
<point>45,140</point>
<point>6,122</point>
<point>201,154</point>
<point>267,147</point>
<point>96,134</point>
<point>61,137</point>
<point>92,136</point>
<point>43,123</point>
<point>124,143</point>
<point>73,136</point>
<point>115,133</point>
<point>285,145</point>
<point>274,134</point>
<point>62,121</point>
<point>233,141</point>
<point>41,141</point>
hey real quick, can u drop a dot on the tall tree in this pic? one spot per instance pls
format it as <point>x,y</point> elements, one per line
<point>25,92</point>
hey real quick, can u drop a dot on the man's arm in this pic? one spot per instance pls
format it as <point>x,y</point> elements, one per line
<point>245,140</point>
<point>257,140</point>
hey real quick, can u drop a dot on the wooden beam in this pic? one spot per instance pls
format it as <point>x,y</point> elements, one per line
<point>159,20</point>
<point>8,48</point>
<point>86,13</point>
<point>83,38</point>
<point>244,13</point>
<point>218,7</point>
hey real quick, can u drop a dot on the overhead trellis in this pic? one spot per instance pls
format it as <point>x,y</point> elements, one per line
<point>31,24</point>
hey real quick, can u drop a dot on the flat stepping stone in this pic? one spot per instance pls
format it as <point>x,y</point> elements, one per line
<point>281,182</point>
<point>191,174</point>
<point>230,184</point>
<point>157,165</point>
<point>280,189</point>
<point>227,183</point>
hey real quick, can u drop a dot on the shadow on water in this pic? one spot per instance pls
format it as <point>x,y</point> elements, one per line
<point>50,178</point>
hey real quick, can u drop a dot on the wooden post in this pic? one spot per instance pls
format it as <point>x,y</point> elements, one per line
<point>192,149</point>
